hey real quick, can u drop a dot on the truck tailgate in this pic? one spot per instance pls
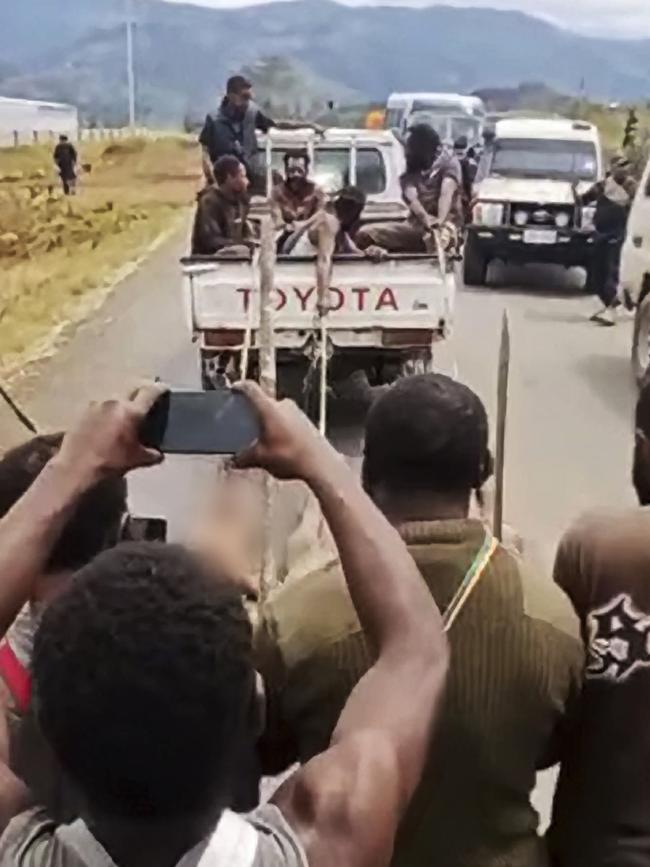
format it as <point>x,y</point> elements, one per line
<point>404,292</point>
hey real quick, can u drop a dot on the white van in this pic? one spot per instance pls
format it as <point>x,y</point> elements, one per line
<point>635,273</point>
<point>452,115</point>
<point>525,208</point>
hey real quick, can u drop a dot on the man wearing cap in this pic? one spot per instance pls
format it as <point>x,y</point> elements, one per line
<point>613,198</point>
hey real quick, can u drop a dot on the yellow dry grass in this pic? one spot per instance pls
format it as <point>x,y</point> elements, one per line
<point>56,253</point>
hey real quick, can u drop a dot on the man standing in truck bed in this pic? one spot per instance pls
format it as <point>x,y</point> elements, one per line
<point>232,130</point>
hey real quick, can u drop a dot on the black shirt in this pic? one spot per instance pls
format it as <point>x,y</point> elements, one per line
<point>225,132</point>
<point>65,156</point>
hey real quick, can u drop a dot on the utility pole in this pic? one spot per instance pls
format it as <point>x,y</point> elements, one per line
<point>130,72</point>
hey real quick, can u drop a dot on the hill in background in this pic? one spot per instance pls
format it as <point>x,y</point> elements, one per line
<point>311,51</point>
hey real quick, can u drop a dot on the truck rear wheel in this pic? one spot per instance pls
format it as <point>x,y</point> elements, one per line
<point>475,264</point>
<point>641,341</point>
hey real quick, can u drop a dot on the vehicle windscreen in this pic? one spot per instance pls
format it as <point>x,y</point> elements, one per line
<point>465,126</point>
<point>331,169</point>
<point>394,118</point>
<point>439,122</point>
<point>449,122</point>
<point>545,158</point>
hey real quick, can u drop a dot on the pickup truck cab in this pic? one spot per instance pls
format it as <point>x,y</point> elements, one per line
<point>635,274</point>
<point>524,204</point>
<point>384,317</point>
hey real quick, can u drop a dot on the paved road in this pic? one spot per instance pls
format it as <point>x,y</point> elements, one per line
<point>571,397</point>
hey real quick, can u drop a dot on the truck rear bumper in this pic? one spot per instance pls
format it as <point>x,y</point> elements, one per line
<point>510,244</point>
<point>375,339</point>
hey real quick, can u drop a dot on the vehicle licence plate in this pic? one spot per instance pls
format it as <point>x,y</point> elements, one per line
<point>540,236</point>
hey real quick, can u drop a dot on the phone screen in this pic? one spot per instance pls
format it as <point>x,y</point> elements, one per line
<point>220,422</point>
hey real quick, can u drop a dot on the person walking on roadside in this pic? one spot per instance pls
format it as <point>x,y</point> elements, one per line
<point>613,198</point>
<point>65,159</point>
<point>601,814</point>
<point>513,678</point>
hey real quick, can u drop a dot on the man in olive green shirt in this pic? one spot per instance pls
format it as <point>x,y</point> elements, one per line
<point>513,679</point>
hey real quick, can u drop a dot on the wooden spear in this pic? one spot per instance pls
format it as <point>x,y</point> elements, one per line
<point>268,382</point>
<point>502,411</point>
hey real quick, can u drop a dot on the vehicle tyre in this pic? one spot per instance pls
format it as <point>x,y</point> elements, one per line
<point>641,341</point>
<point>475,264</point>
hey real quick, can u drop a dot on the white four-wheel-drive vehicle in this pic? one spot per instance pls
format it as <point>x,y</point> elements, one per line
<point>384,317</point>
<point>635,274</point>
<point>525,206</point>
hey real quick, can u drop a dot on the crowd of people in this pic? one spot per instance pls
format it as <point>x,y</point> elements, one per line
<point>405,687</point>
<point>436,187</point>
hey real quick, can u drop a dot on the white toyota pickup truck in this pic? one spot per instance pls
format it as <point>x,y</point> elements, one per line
<point>384,317</point>
<point>524,204</point>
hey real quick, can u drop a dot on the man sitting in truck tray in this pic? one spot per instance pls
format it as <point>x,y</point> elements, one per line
<point>296,198</point>
<point>613,198</point>
<point>432,188</point>
<point>221,222</point>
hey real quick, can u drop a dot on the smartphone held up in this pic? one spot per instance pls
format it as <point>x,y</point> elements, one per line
<point>220,422</point>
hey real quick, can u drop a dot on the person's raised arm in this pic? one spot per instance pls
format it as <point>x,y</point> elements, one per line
<point>346,803</point>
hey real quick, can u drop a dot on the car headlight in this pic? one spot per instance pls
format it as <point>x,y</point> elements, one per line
<point>562,220</point>
<point>521,218</point>
<point>488,214</point>
<point>587,217</point>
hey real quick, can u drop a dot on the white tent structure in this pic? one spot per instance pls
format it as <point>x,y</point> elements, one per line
<point>23,121</point>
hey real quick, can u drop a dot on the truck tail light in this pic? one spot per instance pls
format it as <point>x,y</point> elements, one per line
<point>401,338</point>
<point>223,339</point>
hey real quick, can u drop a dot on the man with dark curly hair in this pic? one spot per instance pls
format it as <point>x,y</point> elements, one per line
<point>145,688</point>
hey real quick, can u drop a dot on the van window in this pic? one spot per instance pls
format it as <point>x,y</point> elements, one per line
<point>439,122</point>
<point>394,118</point>
<point>545,158</point>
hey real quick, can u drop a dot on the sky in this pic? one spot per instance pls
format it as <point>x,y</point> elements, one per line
<point>624,18</point>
